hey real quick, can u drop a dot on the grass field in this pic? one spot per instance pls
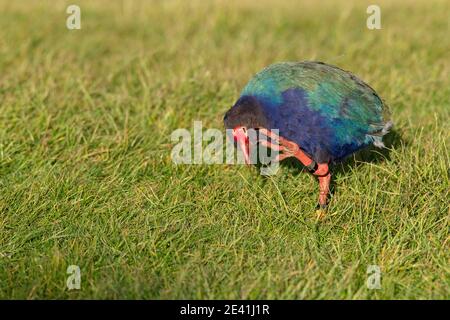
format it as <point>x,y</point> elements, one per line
<point>86,176</point>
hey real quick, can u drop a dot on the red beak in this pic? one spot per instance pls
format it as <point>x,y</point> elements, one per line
<point>241,137</point>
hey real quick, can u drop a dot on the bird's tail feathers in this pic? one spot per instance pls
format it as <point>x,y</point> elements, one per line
<point>378,136</point>
<point>387,127</point>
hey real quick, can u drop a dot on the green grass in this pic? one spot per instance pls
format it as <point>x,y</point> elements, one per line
<point>86,176</point>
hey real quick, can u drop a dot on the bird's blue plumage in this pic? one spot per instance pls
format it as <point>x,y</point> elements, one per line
<point>327,111</point>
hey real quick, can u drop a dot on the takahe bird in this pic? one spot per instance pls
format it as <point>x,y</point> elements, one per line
<point>322,112</point>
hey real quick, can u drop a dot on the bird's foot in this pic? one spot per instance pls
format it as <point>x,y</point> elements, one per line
<point>321,211</point>
<point>286,148</point>
<point>324,190</point>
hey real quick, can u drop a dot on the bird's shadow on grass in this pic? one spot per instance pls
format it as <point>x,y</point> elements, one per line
<point>371,154</point>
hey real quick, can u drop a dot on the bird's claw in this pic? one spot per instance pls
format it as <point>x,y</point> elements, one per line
<point>277,143</point>
<point>321,211</point>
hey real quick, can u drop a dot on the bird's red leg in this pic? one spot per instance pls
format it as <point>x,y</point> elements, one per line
<point>291,149</point>
<point>324,188</point>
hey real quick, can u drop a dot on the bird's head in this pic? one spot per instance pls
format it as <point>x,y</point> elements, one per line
<point>246,114</point>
